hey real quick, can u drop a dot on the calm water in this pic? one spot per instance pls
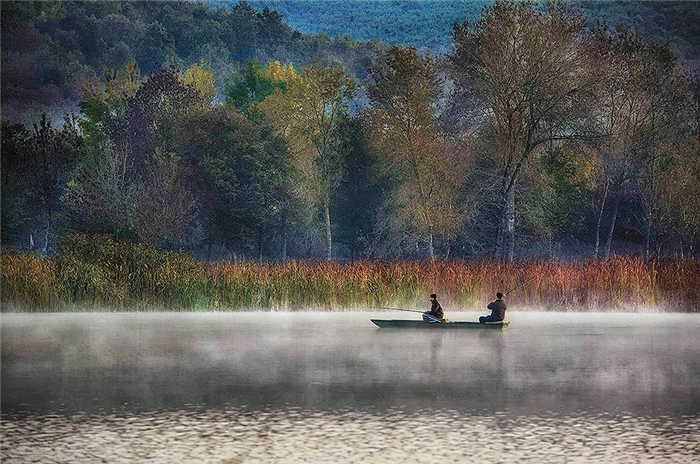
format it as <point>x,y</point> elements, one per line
<point>332,388</point>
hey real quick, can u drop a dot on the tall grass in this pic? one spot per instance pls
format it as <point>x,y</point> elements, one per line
<point>89,272</point>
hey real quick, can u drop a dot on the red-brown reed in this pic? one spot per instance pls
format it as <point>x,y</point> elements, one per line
<point>124,276</point>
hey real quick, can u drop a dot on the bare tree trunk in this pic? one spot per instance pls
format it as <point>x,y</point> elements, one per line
<point>507,213</point>
<point>328,231</point>
<point>260,243</point>
<point>48,231</point>
<point>284,236</point>
<point>502,225</point>
<point>608,244</point>
<point>430,247</point>
<point>600,220</point>
<point>506,226</point>
<point>511,227</point>
<point>647,239</point>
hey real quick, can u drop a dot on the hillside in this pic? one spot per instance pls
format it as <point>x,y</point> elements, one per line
<point>428,23</point>
<point>422,24</point>
<point>50,49</point>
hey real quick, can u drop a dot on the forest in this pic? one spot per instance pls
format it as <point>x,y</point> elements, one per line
<point>426,24</point>
<point>220,131</point>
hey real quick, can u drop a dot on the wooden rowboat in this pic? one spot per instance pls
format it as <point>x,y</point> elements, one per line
<point>412,324</point>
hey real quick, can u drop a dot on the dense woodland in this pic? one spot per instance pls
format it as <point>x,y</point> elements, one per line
<point>426,24</point>
<point>50,49</point>
<point>225,133</point>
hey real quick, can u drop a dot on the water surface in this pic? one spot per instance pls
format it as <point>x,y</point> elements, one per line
<point>331,387</point>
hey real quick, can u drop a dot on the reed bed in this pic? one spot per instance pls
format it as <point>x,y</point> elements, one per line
<point>97,272</point>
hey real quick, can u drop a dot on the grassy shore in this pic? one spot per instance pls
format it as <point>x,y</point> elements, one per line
<point>96,272</point>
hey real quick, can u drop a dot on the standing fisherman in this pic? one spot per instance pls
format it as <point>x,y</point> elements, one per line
<point>498,310</point>
<point>436,313</point>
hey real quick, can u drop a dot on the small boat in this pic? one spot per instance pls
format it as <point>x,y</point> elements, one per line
<point>412,324</point>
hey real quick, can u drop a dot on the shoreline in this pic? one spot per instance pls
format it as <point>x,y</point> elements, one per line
<point>526,310</point>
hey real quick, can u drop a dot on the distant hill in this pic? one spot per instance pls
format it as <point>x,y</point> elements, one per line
<point>427,23</point>
<point>424,24</point>
<point>669,21</point>
<point>50,49</point>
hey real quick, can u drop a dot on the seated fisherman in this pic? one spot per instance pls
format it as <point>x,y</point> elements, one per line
<point>436,313</point>
<point>498,310</point>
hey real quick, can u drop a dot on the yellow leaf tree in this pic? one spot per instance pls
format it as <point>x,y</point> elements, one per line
<point>201,78</point>
<point>307,117</point>
<point>404,129</point>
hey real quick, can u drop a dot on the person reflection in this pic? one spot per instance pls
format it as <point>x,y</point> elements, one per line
<point>497,377</point>
<point>434,339</point>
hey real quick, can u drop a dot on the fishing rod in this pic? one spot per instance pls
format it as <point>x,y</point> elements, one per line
<point>513,289</point>
<point>398,309</point>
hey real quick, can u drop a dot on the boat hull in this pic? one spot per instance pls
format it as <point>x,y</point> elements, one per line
<point>410,324</point>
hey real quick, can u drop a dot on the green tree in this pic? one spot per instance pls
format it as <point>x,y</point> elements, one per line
<point>239,172</point>
<point>358,198</point>
<point>51,155</point>
<point>558,190</point>
<point>247,87</point>
<point>101,107</point>
<point>125,126</point>
<point>16,149</point>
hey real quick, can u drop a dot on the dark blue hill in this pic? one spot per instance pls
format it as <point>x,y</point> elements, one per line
<point>426,24</point>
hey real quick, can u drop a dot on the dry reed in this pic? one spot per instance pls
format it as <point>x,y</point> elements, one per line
<point>90,272</point>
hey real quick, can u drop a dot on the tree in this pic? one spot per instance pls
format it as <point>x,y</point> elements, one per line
<point>153,115</point>
<point>665,89</point>
<point>100,108</point>
<point>678,196</point>
<point>200,78</point>
<point>528,67</point>
<point>693,106</point>
<point>247,87</point>
<point>404,126</point>
<point>307,117</point>
<point>239,172</point>
<point>127,125</point>
<point>640,113</point>
<point>558,189</point>
<point>46,172</point>
<point>163,202</point>
<point>15,152</point>
<point>358,198</point>
<point>100,195</point>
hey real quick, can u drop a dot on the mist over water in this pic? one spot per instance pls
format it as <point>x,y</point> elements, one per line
<point>320,383</point>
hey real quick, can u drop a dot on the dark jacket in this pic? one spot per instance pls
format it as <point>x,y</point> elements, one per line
<point>498,310</point>
<point>436,310</point>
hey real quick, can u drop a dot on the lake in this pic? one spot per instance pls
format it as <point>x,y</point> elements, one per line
<point>330,387</point>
